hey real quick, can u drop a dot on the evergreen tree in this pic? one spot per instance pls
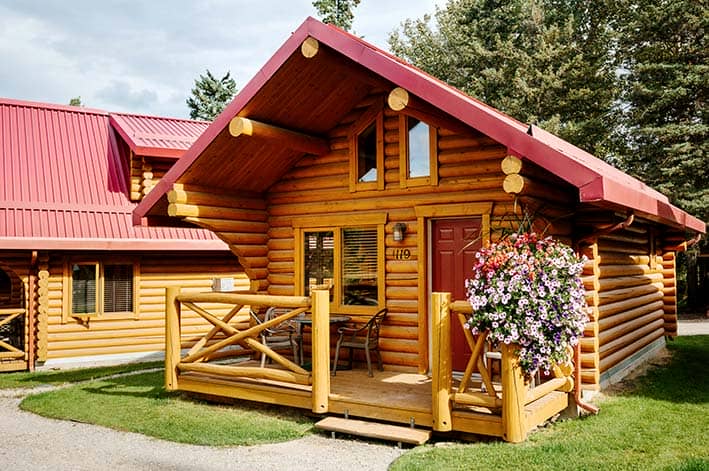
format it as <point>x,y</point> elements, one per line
<point>76,101</point>
<point>664,51</point>
<point>546,62</point>
<point>337,12</point>
<point>210,96</point>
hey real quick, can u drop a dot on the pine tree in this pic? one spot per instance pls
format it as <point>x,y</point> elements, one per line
<point>664,49</point>
<point>210,96</point>
<point>337,12</point>
<point>541,61</point>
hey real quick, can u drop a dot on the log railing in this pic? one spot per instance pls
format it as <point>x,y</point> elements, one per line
<point>7,350</point>
<point>207,348</point>
<point>510,396</point>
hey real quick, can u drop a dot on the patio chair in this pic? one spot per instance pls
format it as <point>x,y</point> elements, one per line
<point>364,338</point>
<point>279,337</point>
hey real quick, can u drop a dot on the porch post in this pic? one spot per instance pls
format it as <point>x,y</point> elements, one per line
<point>172,337</point>
<point>321,350</point>
<point>513,396</point>
<point>441,372</point>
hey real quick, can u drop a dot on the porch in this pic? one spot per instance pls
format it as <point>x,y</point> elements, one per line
<point>503,406</point>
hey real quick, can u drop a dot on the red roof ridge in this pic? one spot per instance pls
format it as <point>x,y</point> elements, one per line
<point>52,106</point>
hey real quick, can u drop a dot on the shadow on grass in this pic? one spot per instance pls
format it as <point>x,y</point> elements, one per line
<point>685,379</point>
<point>26,379</point>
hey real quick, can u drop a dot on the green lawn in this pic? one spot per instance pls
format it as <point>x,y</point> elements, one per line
<point>55,378</point>
<point>661,423</point>
<point>139,403</point>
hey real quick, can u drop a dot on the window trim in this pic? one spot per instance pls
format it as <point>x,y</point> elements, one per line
<point>336,225</point>
<point>375,113</point>
<point>67,283</point>
<point>404,162</point>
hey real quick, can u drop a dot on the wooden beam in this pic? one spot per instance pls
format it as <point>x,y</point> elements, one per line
<point>283,137</point>
<point>401,100</point>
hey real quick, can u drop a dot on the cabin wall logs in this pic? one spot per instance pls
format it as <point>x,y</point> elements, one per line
<point>625,285</point>
<point>119,333</point>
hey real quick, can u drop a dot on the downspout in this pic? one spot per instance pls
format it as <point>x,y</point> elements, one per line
<point>591,239</point>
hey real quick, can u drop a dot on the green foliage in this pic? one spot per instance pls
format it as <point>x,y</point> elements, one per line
<point>337,12</point>
<point>664,51</point>
<point>139,403</point>
<point>76,101</point>
<point>659,424</point>
<point>210,96</point>
<point>26,379</point>
<point>546,62</point>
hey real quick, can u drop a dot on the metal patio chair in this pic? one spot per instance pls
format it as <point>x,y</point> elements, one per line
<point>279,337</point>
<point>364,338</point>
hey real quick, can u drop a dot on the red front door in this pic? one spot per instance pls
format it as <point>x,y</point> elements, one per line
<point>454,243</point>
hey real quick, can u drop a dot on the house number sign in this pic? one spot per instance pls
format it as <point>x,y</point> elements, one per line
<point>401,254</point>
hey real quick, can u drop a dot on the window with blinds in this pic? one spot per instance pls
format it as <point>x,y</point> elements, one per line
<point>84,284</point>
<point>118,288</point>
<point>359,267</point>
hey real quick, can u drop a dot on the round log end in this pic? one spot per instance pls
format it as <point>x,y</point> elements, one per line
<point>513,183</point>
<point>239,126</point>
<point>398,99</point>
<point>309,48</point>
<point>511,164</point>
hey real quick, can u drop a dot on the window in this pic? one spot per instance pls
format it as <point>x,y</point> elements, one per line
<point>367,150</point>
<point>5,288</point>
<point>84,284</point>
<point>418,152</point>
<point>97,288</point>
<point>349,258</point>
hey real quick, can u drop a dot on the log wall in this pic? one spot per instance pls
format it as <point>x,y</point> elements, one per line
<point>119,333</point>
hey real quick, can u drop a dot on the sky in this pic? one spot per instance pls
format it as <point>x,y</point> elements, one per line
<point>142,56</point>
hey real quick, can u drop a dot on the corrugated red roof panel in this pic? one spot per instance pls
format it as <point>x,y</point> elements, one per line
<point>63,184</point>
<point>597,181</point>
<point>156,136</point>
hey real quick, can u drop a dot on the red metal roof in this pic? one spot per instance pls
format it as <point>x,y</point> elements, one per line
<point>597,181</point>
<point>63,184</point>
<point>155,136</point>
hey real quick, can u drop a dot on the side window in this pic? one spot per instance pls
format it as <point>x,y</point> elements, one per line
<point>360,267</point>
<point>417,152</point>
<point>118,288</point>
<point>366,142</point>
<point>84,288</point>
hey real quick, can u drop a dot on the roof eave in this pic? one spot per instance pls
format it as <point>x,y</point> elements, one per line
<point>42,243</point>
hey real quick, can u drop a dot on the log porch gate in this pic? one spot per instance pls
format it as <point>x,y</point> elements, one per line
<point>474,403</point>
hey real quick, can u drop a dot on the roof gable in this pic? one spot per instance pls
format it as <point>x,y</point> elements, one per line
<point>597,181</point>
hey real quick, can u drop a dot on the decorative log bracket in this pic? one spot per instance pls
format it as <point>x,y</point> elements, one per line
<point>241,126</point>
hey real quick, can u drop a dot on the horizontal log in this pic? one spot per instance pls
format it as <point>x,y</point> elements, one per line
<point>630,302</point>
<point>611,296</point>
<point>246,372</point>
<point>282,137</point>
<point>246,299</point>
<point>179,195</point>
<point>226,225</point>
<point>612,346</point>
<point>472,156</point>
<point>609,271</point>
<point>545,388</point>
<point>610,258</point>
<point>625,352</point>
<point>521,185</point>
<point>619,330</point>
<point>607,284</point>
<point>463,169</point>
<point>625,239</point>
<point>478,399</point>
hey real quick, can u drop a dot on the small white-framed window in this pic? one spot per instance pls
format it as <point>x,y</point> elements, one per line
<point>366,142</point>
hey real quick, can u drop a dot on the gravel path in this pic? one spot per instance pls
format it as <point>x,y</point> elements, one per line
<point>36,443</point>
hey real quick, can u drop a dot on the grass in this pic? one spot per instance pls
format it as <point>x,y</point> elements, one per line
<point>55,378</point>
<point>139,403</point>
<point>659,422</point>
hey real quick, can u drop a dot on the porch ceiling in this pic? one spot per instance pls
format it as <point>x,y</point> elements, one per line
<point>309,96</point>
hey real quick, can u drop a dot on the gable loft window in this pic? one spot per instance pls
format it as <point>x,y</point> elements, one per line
<point>366,144</point>
<point>418,162</point>
<point>350,258</point>
<point>97,288</point>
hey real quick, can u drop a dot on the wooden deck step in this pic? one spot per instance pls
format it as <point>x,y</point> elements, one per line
<point>362,428</point>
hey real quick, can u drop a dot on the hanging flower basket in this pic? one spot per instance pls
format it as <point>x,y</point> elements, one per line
<point>528,291</point>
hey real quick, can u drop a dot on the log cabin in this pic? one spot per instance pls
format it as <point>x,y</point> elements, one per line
<point>341,165</point>
<point>78,282</point>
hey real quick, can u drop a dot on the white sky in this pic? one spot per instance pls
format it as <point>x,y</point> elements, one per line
<point>142,56</point>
